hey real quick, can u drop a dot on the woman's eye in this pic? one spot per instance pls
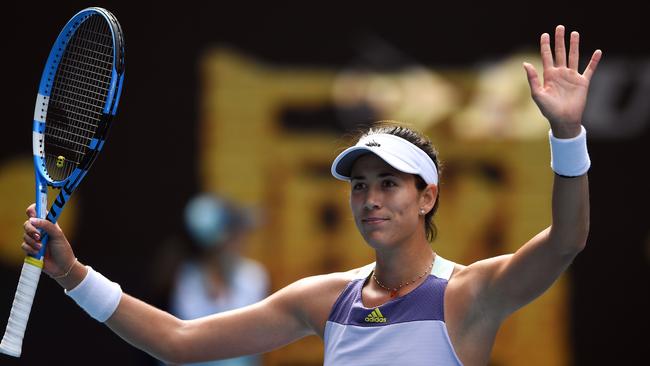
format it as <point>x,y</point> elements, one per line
<point>389,183</point>
<point>358,186</point>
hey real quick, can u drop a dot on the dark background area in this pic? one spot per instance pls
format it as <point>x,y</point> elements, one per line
<point>132,196</point>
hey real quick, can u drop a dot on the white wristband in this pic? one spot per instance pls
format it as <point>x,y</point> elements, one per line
<point>97,295</point>
<point>569,157</point>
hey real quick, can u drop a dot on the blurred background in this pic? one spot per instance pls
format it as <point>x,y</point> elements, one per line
<point>252,102</point>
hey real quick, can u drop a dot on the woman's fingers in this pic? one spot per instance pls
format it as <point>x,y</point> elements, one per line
<point>545,51</point>
<point>558,57</point>
<point>593,63</point>
<point>560,49</point>
<point>533,79</point>
<point>31,210</point>
<point>32,236</point>
<point>574,51</point>
<point>29,249</point>
<point>31,230</point>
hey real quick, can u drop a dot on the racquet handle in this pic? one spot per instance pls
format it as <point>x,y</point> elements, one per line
<point>12,340</point>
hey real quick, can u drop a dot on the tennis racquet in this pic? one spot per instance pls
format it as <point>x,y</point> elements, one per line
<point>77,98</point>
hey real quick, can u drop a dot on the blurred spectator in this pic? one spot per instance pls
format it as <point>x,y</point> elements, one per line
<point>215,277</point>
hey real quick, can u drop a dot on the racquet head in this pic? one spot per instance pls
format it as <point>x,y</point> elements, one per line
<point>77,96</point>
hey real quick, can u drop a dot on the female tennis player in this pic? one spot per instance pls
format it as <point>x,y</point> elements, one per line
<point>410,307</point>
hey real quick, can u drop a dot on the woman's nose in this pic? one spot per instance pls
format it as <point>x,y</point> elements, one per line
<point>372,201</point>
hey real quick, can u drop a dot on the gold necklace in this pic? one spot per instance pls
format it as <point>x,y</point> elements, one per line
<point>393,291</point>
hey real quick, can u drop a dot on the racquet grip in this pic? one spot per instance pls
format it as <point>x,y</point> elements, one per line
<point>12,340</point>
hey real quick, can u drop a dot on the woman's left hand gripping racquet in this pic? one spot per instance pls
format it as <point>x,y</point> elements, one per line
<point>77,98</point>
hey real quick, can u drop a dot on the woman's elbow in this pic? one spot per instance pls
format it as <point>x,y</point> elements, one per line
<point>570,241</point>
<point>173,348</point>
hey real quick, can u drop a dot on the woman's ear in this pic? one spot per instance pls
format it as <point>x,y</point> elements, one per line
<point>428,198</point>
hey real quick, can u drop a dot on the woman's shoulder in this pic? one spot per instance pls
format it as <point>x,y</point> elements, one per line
<point>313,297</point>
<point>335,280</point>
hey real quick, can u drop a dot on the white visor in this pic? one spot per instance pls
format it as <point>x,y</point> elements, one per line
<point>395,151</point>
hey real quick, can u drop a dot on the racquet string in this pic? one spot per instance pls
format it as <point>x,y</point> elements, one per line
<point>78,96</point>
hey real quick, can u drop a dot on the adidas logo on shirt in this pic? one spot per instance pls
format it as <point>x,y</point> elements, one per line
<point>375,317</point>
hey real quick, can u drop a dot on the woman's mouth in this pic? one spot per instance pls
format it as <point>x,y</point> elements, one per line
<point>374,220</point>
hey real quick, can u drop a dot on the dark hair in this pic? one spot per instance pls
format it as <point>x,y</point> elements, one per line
<point>418,139</point>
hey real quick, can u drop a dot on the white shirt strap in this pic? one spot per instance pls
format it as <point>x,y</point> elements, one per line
<point>442,268</point>
<point>365,271</point>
